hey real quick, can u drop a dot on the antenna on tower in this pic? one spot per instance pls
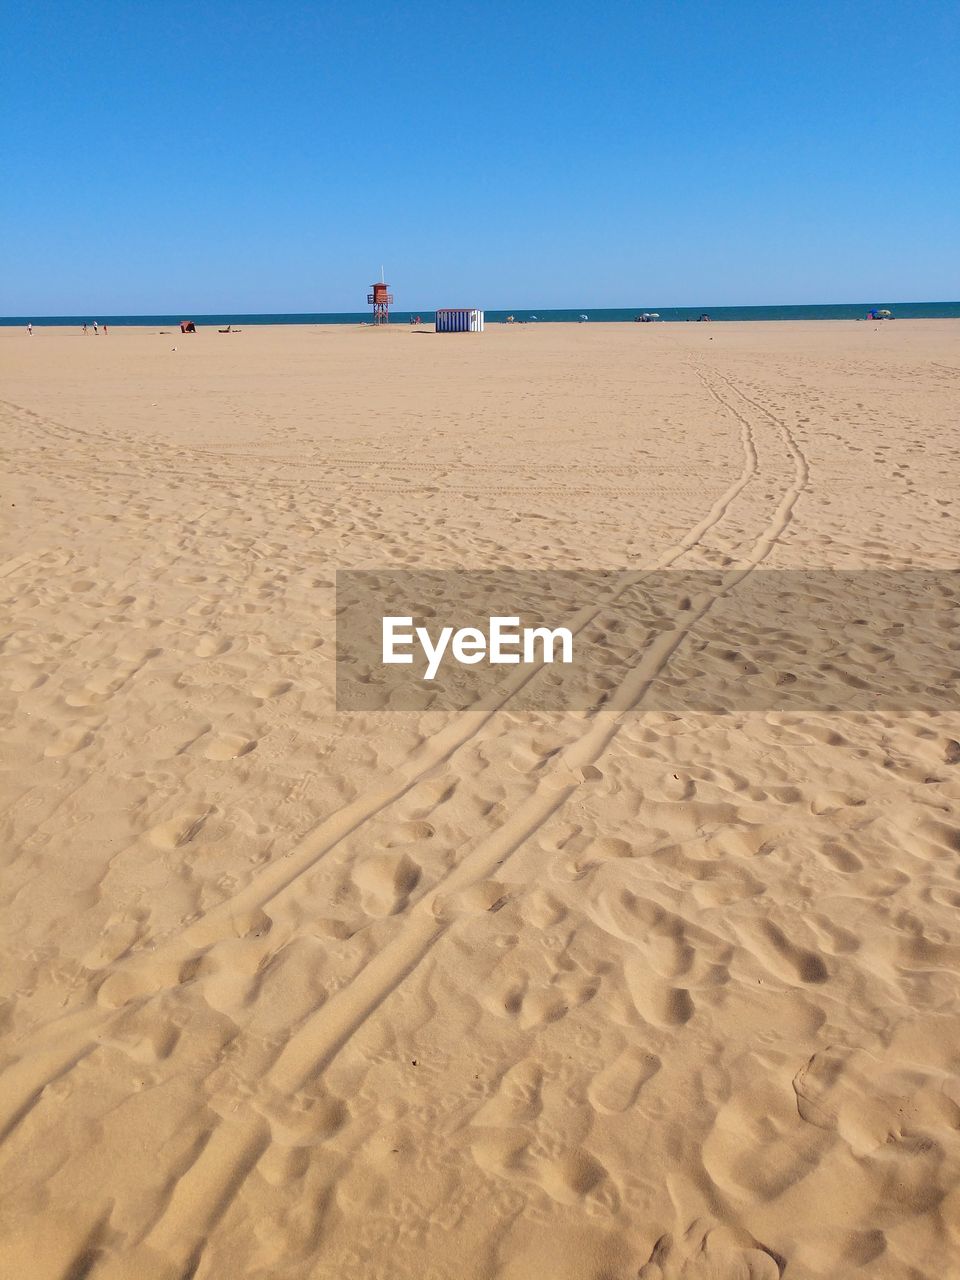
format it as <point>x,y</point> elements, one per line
<point>382,280</point>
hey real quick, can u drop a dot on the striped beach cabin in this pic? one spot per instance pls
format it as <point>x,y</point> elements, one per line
<point>459,320</point>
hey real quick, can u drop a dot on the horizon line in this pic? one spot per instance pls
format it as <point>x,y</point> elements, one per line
<point>26,317</point>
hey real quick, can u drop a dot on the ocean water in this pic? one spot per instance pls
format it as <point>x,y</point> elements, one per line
<point>831,311</point>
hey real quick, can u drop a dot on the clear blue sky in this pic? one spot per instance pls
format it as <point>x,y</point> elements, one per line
<point>233,156</point>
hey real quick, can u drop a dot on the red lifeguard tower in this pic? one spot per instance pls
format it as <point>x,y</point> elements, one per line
<point>380,297</point>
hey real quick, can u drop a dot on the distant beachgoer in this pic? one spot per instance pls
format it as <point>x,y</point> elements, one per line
<point>96,329</point>
<point>30,328</point>
<point>104,330</point>
<point>84,329</point>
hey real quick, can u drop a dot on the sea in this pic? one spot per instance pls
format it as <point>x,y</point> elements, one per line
<point>572,315</point>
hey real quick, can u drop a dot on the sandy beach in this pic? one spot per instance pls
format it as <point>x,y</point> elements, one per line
<point>298,994</point>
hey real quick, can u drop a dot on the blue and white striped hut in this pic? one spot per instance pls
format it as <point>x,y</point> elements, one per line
<point>459,320</point>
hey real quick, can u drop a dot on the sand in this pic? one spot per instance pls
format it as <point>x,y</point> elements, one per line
<point>413,996</point>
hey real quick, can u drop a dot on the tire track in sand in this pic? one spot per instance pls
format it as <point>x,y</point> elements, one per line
<point>205,1191</point>
<point>60,1044</point>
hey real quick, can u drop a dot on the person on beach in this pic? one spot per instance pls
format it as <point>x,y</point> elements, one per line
<point>104,330</point>
<point>30,328</point>
<point>96,331</point>
<point>84,328</point>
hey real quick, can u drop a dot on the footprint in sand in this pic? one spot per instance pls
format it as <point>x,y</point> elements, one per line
<point>69,742</point>
<point>572,1176</point>
<point>271,688</point>
<point>706,1250</point>
<point>402,833</point>
<point>542,910</point>
<point>657,1002</point>
<point>546,1005</point>
<point>427,796</point>
<point>25,677</point>
<point>118,937</point>
<point>505,999</point>
<point>875,1107</point>
<point>502,1151</point>
<point>791,960</point>
<point>618,1085</point>
<point>229,746</point>
<point>303,1119</point>
<point>144,1035</point>
<point>538,1006</point>
<point>665,1006</point>
<point>211,646</point>
<point>485,895</point>
<point>843,860</point>
<point>517,1100</point>
<point>755,1150</point>
<point>576,866</point>
<point>180,830</point>
<point>385,883</point>
<point>280,1166</point>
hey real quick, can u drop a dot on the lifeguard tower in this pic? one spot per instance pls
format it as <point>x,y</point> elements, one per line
<point>380,298</point>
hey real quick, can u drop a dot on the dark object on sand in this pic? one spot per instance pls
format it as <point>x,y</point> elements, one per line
<point>187,326</point>
<point>229,329</point>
